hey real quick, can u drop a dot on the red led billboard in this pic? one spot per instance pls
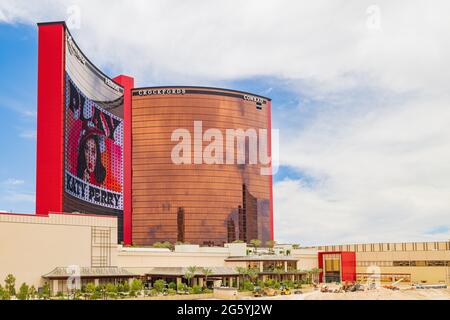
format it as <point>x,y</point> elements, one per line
<point>81,132</point>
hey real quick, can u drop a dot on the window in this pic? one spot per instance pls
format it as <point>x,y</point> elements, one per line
<point>401,263</point>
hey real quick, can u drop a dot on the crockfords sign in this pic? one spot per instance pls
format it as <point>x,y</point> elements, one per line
<point>148,92</point>
<point>253,98</point>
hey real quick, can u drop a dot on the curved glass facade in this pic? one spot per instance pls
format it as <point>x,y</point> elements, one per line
<point>208,204</point>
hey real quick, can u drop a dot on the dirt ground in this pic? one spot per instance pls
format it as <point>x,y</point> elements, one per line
<point>405,293</point>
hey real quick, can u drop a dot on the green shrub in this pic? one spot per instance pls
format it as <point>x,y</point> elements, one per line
<point>32,292</point>
<point>172,285</point>
<point>10,284</point>
<point>247,285</point>
<point>95,296</point>
<point>111,290</point>
<point>153,292</point>
<point>171,292</point>
<point>195,290</point>
<point>269,283</point>
<point>23,292</point>
<point>289,283</point>
<point>136,285</point>
<point>4,294</point>
<point>207,290</point>
<point>90,287</point>
<point>159,285</point>
<point>182,287</point>
<point>44,293</point>
<point>126,286</point>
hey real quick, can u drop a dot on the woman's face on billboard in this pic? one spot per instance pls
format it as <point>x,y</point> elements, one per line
<point>90,152</point>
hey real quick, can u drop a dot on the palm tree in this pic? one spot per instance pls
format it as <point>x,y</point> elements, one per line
<point>242,272</point>
<point>278,271</point>
<point>206,272</point>
<point>315,273</point>
<point>270,244</point>
<point>256,243</point>
<point>190,273</point>
<point>253,273</point>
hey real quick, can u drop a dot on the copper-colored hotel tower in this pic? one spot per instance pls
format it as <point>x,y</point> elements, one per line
<point>132,175</point>
<point>196,203</point>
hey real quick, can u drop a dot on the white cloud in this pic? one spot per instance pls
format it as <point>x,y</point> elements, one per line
<point>379,175</point>
<point>11,182</point>
<point>376,139</point>
<point>28,134</point>
<point>325,42</point>
<point>12,194</point>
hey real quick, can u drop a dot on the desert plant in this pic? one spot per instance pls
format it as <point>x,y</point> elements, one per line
<point>23,292</point>
<point>190,273</point>
<point>32,292</point>
<point>44,293</point>
<point>4,294</point>
<point>126,286</point>
<point>247,285</point>
<point>207,290</point>
<point>10,284</point>
<point>111,290</point>
<point>256,243</point>
<point>171,292</point>
<point>172,285</point>
<point>159,285</point>
<point>90,289</point>
<point>206,272</point>
<point>252,273</point>
<point>270,244</point>
<point>195,289</point>
<point>136,285</point>
<point>182,287</point>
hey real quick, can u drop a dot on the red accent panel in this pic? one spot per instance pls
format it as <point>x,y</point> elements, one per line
<point>348,264</point>
<point>128,84</point>
<point>269,130</point>
<point>348,261</point>
<point>50,119</point>
<point>320,265</point>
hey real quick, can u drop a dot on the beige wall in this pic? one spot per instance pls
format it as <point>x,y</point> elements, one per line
<point>307,258</point>
<point>383,255</point>
<point>426,274</point>
<point>429,275</point>
<point>31,246</point>
<point>139,260</point>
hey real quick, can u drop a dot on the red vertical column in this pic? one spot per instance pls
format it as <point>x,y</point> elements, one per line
<point>348,261</point>
<point>128,84</point>
<point>50,119</point>
<point>269,132</point>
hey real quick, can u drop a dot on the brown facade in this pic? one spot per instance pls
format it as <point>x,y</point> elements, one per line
<point>196,203</point>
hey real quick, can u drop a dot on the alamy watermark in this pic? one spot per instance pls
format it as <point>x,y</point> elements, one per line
<point>231,147</point>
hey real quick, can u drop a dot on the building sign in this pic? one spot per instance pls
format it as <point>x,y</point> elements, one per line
<point>93,133</point>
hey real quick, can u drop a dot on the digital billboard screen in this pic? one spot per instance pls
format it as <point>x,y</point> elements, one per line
<point>93,137</point>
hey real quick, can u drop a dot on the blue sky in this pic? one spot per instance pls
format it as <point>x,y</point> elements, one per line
<point>18,59</point>
<point>360,97</point>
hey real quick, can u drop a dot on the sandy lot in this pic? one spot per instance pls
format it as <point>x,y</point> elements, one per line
<point>405,293</point>
<point>382,294</point>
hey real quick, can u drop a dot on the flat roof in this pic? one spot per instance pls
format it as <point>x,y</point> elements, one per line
<point>203,89</point>
<point>181,271</point>
<point>89,272</point>
<point>262,258</point>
